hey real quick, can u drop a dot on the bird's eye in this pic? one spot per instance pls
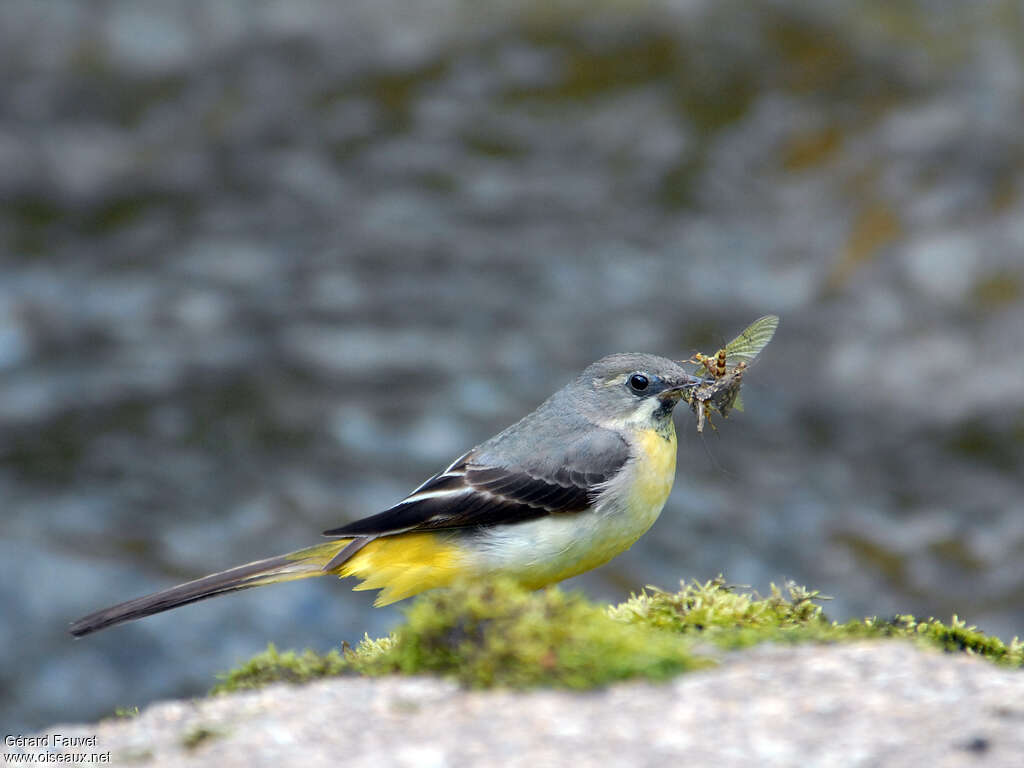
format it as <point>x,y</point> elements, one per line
<point>638,382</point>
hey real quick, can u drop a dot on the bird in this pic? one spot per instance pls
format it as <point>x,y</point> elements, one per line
<point>559,492</point>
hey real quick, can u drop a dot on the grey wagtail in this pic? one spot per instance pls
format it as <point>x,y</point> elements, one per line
<point>561,491</point>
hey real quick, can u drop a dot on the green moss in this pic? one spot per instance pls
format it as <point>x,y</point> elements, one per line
<point>716,611</point>
<point>497,634</point>
<point>489,634</point>
<point>198,735</point>
<point>123,713</point>
<point>272,666</point>
<point>957,636</point>
<point>731,619</point>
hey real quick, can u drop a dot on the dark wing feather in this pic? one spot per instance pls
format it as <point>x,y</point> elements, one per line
<point>469,495</point>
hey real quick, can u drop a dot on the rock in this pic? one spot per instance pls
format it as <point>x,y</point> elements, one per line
<point>843,705</point>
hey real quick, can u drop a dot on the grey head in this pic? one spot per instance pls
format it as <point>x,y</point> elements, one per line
<point>630,387</point>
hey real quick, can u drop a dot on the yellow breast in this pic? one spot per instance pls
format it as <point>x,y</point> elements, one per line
<point>566,545</point>
<point>655,469</point>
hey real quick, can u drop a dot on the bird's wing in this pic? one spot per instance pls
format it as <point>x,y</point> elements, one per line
<point>470,494</point>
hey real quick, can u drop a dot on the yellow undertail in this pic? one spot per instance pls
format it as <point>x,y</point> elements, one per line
<point>399,566</point>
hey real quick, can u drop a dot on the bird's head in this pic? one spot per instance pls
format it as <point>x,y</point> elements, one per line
<point>632,389</point>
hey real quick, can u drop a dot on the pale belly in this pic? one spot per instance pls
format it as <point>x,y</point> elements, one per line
<point>557,547</point>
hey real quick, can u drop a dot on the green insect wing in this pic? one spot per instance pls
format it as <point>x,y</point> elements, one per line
<point>755,337</point>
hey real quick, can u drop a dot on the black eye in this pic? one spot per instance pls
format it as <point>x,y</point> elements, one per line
<point>638,382</point>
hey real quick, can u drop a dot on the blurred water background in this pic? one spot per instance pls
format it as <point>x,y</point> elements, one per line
<point>264,267</point>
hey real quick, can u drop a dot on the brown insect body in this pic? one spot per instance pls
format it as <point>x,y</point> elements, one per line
<point>715,365</point>
<point>719,370</point>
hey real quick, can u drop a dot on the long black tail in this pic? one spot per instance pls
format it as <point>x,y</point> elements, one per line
<point>296,565</point>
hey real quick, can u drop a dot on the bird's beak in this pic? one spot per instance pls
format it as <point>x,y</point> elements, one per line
<point>684,383</point>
